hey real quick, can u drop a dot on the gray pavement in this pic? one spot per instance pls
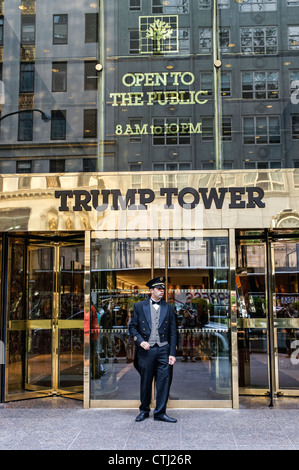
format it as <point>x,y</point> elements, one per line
<point>62,424</point>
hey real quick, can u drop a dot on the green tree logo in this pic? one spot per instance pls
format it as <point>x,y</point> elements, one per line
<point>158,32</point>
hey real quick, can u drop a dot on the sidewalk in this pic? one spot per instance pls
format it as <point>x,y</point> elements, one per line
<point>61,424</point>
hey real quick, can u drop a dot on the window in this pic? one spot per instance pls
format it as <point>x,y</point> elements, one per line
<point>91,27</point>
<point>135,5</point>
<point>58,125</point>
<point>258,5</point>
<point>261,165</point>
<point>226,128</point>
<point>261,130</point>
<point>89,165</point>
<point>184,41</point>
<point>90,75</point>
<point>24,166</point>
<point>90,123</point>
<point>59,76</point>
<point>134,41</point>
<point>292,3</point>
<point>135,123</point>
<point>224,39</point>
<point>208,165</point>
<point>260,40</point>
<point>135,167</point>
<point>206,43</point>
<point>293,37</point>
<point>294,86</point>
<point>205,40</point>
<point>27,29</point>
<point>170,7</point>
<point>226,84</point>
<point>171,131</point>
<point>206,82</point>
<point>25,128</point>
<point>184,166</point>
<point>295,126</point>
<point>57,165</point>
<point>207,129</point>
<point>27,77</point>
<point>260,85</point>
<point>60,29</point>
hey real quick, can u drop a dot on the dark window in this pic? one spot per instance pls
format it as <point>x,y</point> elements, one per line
<point>28,29</point>
<point>60,29</point>
<point>90,123</point>
<point>58,125</point>
<point>27,77</point>
<point>24,166</point>
<point>226,128</point>
<point>59,76</point>
<point>1,30</point>
<point>57,166</point>
<point>207,128</point>
<point>25,129</point>
<point>295,126</point>
<point>134,5</point>
<point>89,164</point>
<point>90,75</point>
<point>134,41</point>
<point>91,27</point>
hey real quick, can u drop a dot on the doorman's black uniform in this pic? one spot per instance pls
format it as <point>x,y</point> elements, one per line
<point>154,362</point>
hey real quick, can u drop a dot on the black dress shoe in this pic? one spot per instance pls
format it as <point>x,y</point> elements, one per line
<point>164,417</point>
<point>142,416</point>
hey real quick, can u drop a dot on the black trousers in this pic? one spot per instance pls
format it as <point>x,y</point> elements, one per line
<point>154,363</point>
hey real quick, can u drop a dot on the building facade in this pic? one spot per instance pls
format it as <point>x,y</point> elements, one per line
<point>143,138</point>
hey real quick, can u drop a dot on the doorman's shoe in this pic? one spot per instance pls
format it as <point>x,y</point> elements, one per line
<point>165,418</point>
<point>142,416</point>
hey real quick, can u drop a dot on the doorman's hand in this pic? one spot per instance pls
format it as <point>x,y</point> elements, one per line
<point>171,360</point>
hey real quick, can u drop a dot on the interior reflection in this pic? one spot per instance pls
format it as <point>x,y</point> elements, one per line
<point>196,285</point>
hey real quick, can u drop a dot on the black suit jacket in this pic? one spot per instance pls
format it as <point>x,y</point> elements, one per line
<point>140,324</point>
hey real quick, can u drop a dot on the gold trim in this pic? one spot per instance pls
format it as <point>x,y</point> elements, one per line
<point>86,359</point>
<point>252,323</point>
<point>233,320</point>
<point>174,404</point>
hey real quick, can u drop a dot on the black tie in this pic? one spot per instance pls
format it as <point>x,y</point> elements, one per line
<point>154,302</point>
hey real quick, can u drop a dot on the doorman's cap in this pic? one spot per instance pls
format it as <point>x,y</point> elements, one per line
<point>156,282</point>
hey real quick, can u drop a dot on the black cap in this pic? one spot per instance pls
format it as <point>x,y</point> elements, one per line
<point>156,282</point>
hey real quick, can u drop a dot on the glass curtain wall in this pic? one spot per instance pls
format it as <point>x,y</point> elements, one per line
<point>161,86</point>
<point>258,42</point>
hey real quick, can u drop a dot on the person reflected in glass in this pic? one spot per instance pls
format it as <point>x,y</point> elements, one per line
<point>188,342</point>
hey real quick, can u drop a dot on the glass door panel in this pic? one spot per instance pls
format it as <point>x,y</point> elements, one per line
<point>70,322</point>
<point>119,272</point>
<point>198,289</point>
<point>286,300</point>
<point>252,317</point>
<point>29,331</point>
<point>45,319</point>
